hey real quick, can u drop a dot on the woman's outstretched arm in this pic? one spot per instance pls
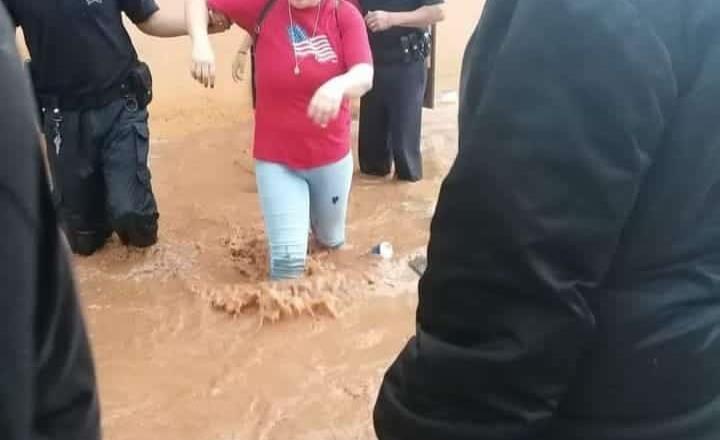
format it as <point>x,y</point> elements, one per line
<point>167,21</point>
<point>203,57</point>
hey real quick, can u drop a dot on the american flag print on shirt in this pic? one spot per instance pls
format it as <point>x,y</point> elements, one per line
<point>305,46</point>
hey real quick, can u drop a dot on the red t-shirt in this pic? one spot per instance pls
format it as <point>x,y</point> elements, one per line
<point>283,131</point>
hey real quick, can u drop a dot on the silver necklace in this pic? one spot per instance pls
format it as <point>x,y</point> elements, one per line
<point>296,70</point>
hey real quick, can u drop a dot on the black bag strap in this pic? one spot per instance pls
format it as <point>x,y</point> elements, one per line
<point>261,18</point>
<point>256,34</point>
<point>340,32</point>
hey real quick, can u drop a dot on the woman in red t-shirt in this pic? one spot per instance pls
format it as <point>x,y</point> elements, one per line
<point>312,56</point>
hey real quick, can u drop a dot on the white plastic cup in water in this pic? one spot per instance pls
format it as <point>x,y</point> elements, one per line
<point>384,250</point>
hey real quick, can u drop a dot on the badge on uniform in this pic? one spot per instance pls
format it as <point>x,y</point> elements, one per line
<point>92,2</point>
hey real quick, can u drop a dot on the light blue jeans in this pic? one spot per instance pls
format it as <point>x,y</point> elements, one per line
<point>293,201</point>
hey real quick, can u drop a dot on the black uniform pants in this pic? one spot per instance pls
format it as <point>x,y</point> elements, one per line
<point>391,121</point>
<point>101,179</point>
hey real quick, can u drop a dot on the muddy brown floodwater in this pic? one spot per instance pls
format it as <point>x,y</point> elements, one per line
<point>192,344</point>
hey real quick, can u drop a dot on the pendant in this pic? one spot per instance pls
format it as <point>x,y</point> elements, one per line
<point>296,70</point>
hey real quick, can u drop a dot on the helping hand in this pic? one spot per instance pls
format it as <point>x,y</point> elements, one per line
<point>325,104</point>
<point>203,63</point>
<point>238,67</point>
<point>378,21</point>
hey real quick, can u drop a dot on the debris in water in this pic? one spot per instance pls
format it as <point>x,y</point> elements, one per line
<point>384,250</point>
<point>418,264</point>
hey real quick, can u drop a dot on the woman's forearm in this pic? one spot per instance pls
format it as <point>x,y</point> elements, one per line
<point>357,81</point>
<point>327,101</point>
<point>172,21</point>
<point>196,19</point>
<point>203,65</point>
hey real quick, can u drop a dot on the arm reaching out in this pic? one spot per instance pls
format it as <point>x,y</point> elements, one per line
<point>358,80</point>
<point>203,57</point>
<point>170,22</point>
<point>325,105</point>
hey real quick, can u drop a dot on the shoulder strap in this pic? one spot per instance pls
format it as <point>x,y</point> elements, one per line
<point>337,19</point>
<point>256,34</point>
<point>263,13</point>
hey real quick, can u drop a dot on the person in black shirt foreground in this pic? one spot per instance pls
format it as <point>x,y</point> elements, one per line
<point>573,282</point>
<point>93,94</point>
<point>47,379</point>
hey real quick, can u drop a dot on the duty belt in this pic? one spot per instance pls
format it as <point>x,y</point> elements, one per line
<point>54,106</point>
<point>411,47</point>
<point>86,101</point>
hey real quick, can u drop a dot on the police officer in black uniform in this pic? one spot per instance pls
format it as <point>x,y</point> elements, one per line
<point>93,95</point>
<point>391,114</point>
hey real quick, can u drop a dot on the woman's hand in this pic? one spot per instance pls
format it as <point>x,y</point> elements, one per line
<point>238,67</point>
<point>203,62</point>
<point>325,105</point>
<point>378,21</point>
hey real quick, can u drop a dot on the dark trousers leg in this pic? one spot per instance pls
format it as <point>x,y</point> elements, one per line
<point>405,106</point>
<point>78,181</point>
<point>373,147</point>
<point>131,202</point>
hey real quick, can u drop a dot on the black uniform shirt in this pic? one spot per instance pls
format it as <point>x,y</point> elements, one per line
<point>389,40</point>
<point>78,46</point>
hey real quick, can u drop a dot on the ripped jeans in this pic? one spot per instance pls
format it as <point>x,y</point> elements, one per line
<point>293,201</point>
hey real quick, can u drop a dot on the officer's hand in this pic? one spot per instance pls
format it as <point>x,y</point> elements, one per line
<point>238,67</point>
<point>217,22</point>
<point>378,21</point>
<point>325,105</point>
<point>203,63</point>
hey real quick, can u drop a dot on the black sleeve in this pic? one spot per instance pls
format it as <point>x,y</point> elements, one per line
<point>431,2</point>
<point>47,379</point>
<point>139,11</point>
<point>563,105</point>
